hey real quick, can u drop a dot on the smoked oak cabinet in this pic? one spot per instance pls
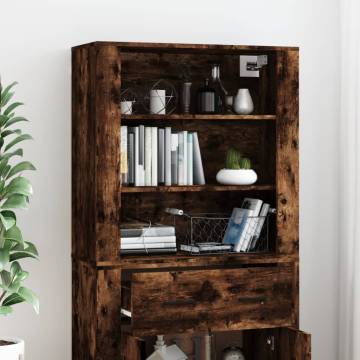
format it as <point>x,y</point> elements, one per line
<point>256,295</point>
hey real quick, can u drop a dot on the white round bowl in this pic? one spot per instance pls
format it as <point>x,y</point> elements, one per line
<point>13,351</point>
<point>236,177</point>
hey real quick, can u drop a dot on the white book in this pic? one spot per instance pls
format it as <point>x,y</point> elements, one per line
<point>168,156</point>
<point>123,155</point>
<point>136,162</point>
<point>205,247</point>
<point>255,206</point>
<point>185,156</point>
<point>141,155</point>
<point>238,226</point>
<point>181,180</point>
<point>174,158</point>
<point>150,246</point>
<point>148,240</point>
<point>154,156</point>
<point>199,178</point>
<point>147,152</point>
<point>190,156</point>
<point>161,157</point>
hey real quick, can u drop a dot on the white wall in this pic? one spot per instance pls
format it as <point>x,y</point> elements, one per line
<point>35,42</point>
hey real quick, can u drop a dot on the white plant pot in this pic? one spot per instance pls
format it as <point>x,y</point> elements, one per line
<point>236,177</point>
<point>14,351</point>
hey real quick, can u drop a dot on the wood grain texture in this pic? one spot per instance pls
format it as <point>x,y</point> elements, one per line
<point>294,345</point>
<point>287,154</point>
<point>84,311</point>
<point>83,155</point>
<point>212,48</point>
<point>95,167</point>
<point>200,117</point>
<point>211,299</point>
<point>195,188</point>
<point>182,260</point>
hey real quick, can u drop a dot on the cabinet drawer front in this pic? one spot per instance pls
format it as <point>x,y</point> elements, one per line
<point>212,299</point>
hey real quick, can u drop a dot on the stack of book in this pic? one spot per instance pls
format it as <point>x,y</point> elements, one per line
<point>152,156</point>
<point>139,238</point>
<point>246,225</point>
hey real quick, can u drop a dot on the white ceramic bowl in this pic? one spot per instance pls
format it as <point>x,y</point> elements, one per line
<point>236,177</point>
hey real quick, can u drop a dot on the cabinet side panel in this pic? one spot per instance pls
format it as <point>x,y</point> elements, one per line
<point>108,314</point>
<point>287,158</point>
<point>83,158</point>
<point>84,312</point>
<point>106,95</point>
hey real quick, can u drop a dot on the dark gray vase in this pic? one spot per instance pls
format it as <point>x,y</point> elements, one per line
<point>185,97</point>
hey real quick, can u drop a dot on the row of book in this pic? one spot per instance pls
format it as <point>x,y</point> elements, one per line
<point>152,156</point>
<point>139,238</point>
<point>246,225</point>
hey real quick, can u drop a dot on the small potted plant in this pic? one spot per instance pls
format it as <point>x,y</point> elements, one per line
<point>237,170</point>
<point>15,192</point>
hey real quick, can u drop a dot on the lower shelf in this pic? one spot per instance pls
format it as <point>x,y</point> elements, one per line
<point>264,344</point>
<point>180,259</point>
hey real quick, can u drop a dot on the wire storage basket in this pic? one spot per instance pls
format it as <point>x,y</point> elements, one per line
<point>210,233</point>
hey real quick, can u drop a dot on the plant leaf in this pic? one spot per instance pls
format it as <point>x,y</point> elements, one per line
<point>18,139</point>
<point>19,185</point>
<point>14,233</point>
<point>17,152</point>
<point>13,299</point>
<point>12,107</point>
<point>4,258</point>
<point>3,119</point>
<point>5,310</point>
<point>10,132</point>
<point>6,98</point>
<point>22,166</point>
<point>7,89</point>
<point>14,120</point>
<point>5,279</point>
<point>16,201</point>
<point>30,298</point>
<point>8,219</point>
<point>30,248</point>
<point>21,255</point>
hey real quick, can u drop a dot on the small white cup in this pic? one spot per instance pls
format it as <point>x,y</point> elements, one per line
<point>126,107</point>
<point>157,101</point>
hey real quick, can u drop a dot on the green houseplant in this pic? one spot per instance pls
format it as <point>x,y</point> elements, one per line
<point>237,170</point>
<point>15,192</point>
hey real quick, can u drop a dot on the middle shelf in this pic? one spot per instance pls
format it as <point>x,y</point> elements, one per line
<point>197,188</point>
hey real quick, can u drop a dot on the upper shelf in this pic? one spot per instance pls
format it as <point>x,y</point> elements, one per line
<point>220,117</point>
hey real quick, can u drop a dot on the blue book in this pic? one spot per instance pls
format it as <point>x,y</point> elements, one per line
<point>237,227</point>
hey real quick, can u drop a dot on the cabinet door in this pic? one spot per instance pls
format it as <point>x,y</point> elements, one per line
<point>277,344</point>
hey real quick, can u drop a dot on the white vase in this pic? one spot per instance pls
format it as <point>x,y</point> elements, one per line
<point>158,102</point>
<point>243,103</point>
<point>14,351</point>
<point>236,177</point>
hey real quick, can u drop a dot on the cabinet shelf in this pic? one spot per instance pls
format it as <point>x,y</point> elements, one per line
<point>196,188</point>
<point>217,117</point>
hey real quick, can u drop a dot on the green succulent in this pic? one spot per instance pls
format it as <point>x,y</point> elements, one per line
<point>15,192</point>
<point>245,164</point>
<point>235,161</point>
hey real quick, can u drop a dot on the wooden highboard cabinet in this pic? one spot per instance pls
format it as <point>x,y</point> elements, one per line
<point>255,294</point>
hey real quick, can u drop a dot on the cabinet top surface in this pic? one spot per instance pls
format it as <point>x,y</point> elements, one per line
<point>136,46</point>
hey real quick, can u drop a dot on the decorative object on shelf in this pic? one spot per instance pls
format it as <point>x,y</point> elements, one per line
<point>237,170</point>
<point>163,352</point>
<point>206,99</point>
<point>128,97</point>
<point>220,92</point>
<point>185,99</point>
<point>233,353</point>
<point>16,191</point>
<point>160,97</point>
<point>243,103</point>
